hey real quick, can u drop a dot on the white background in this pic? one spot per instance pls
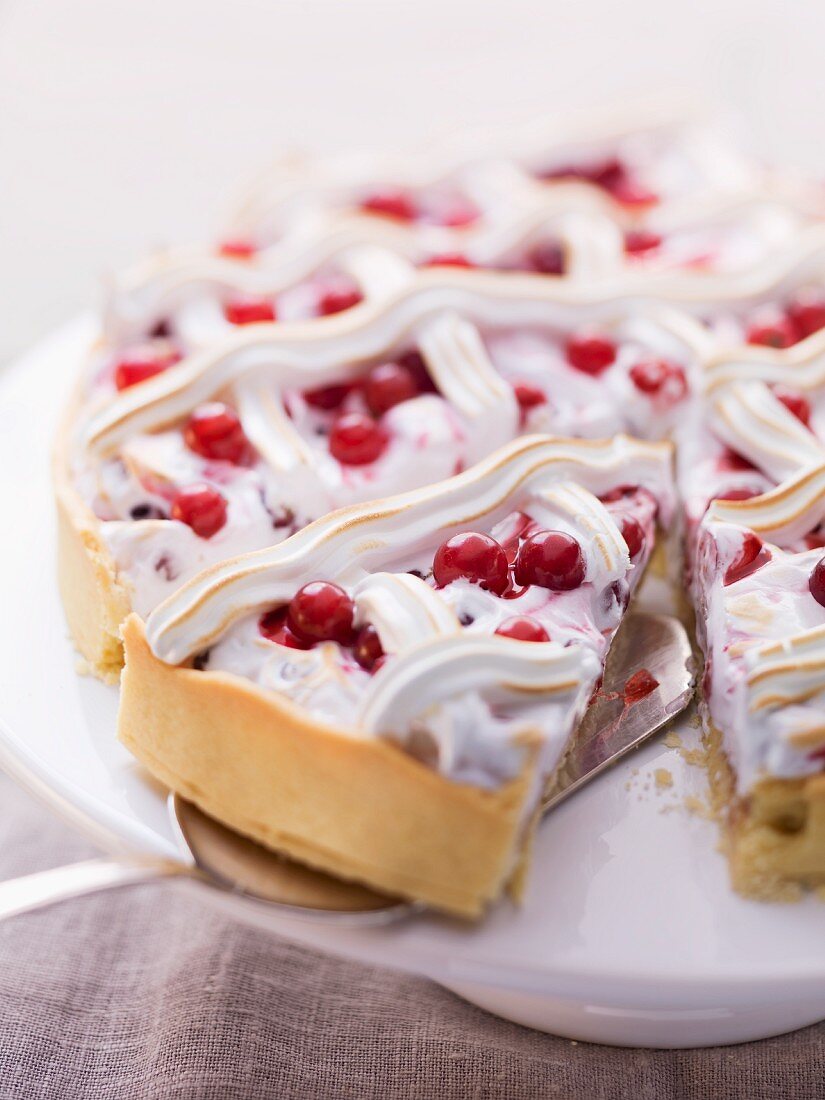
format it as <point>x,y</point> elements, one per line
<point>129,123</point>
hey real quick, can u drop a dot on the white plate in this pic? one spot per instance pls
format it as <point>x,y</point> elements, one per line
<point>629,933</point>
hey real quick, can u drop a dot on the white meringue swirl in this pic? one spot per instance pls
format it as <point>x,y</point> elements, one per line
<point>348,544</point>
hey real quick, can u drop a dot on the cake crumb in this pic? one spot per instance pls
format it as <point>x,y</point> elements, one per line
<point>82,667</point>
<point>692,804</point>
<point>663,777</point>
<point>697,807</point>
<point>697,757</point>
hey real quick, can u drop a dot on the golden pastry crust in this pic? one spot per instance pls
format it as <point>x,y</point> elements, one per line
<point>774,836</point>
<point>359,808</point>
<point>94,599</point>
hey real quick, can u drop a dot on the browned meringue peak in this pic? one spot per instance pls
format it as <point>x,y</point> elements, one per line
<point>750,419</point>
<point>317,353</point>
<point>783,514</point>
<point>801,366</point>
<point>591,238</point>
<point>789,672</point>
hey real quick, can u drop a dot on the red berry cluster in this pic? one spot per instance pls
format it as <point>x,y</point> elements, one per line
<point>546,258</point>
<point>619,502</point>
<point>391,202</point>
<point>550,559</point>
<point>399,203</point>
<point>592,353</point>
<point>795,402</point>
<point>659,378</point>
<point>214,431</point>
<point>816,582</point>
<point>640,242</point>
<point>144,362</point>
<point>528,397</point>
<point>448,259</point>
<point>612,175</point>
<point>237,248</point>
<point>781,328</point>
<point>244,309</point>
<point>200,507</point>
<point>753,554</point>
<point>337,295</point>
<point>357,438</point>
<point>322,612</point>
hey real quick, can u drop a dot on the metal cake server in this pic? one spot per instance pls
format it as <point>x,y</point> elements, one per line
<point>648,680</point>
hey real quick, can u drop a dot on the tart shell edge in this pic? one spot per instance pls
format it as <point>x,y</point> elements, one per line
<point>361,809</point>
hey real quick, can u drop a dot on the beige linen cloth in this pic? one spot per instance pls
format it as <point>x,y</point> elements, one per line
<point>145,993</point>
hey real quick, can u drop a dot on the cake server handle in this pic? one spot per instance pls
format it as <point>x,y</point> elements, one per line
<point>42,888</point>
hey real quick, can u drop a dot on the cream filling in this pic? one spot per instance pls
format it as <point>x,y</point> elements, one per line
<point>154,557</point>
<point>470,736</point>
<point>771,605</point>
<point>430,438</point>
<point>447,693</point>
